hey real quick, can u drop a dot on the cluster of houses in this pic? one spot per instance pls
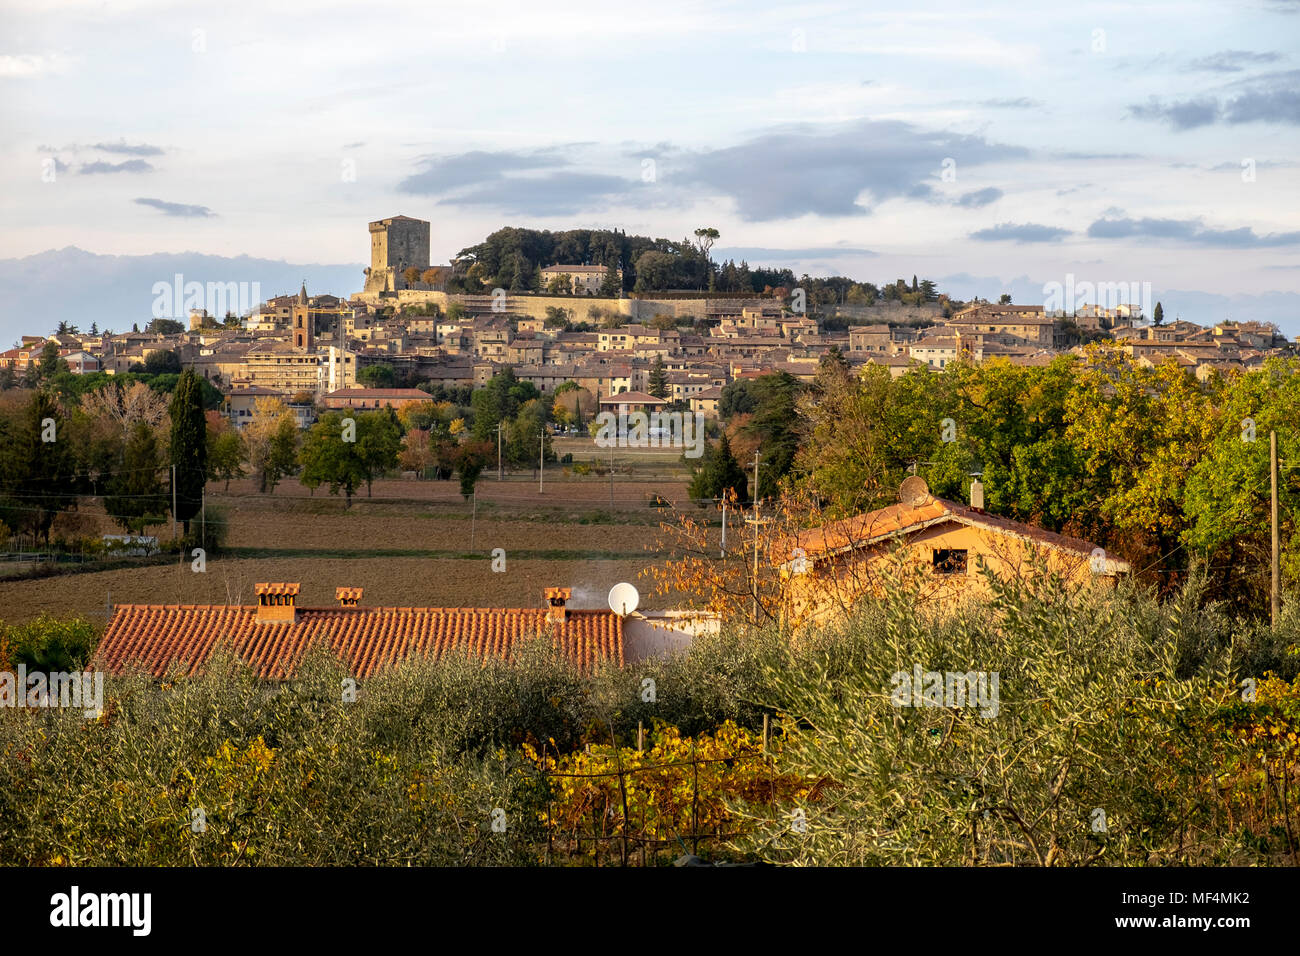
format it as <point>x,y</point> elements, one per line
<point>309,350</point>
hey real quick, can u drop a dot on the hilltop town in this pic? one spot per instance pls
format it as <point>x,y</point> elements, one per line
<point>407,332</point>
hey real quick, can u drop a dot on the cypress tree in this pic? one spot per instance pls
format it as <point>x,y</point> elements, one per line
<point>189,446</point>
<point>658,380</point>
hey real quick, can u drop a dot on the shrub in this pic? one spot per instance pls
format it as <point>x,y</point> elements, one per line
<point>48,644</point>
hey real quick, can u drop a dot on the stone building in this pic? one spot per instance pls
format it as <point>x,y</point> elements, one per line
<point>396,245</point>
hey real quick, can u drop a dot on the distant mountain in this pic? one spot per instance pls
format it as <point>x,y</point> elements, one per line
<point>39,291</point>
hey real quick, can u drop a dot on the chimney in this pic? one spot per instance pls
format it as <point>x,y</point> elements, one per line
<point>277,603</point>
<point>556,599</point>
<point>348,597</point>
<point>976,494</point>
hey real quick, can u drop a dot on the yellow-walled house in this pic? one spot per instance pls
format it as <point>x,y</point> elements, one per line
<point>944,542</point>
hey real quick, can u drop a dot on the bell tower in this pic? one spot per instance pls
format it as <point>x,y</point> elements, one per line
<point>304,335</point>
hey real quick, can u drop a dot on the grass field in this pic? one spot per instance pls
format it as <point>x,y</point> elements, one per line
<point>413,543</point>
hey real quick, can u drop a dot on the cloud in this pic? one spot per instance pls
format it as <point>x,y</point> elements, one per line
<point>1186,115</point>
<point>981,197</point>
<point>1189,230</point>
<point>1236,166</point>
<point>1018,232</point>
<point>128,149</point>
<point>1274,106</point>
<point>552,194</point>
<point>1271,98</point>
<point>25,65</point>
<point>1096,156</point>
<point>800,170</point>
<point>126,166</point>
<point>785,256</point>
<point>177,209</point>
<point>1016,103</point>
<point>444,173</point>
<point>786,172</point>
<point>1231,61</point>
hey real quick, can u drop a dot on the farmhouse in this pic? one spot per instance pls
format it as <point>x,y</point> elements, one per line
<point>945,543</point>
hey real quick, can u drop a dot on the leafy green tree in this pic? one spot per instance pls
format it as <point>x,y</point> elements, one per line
<point>834,357</point>
<point>51,645</point>
<point>188,447</point>
<point>379,443</point>
<point>225,454</point>
<point>610,284</point>
<point>327,459</point>
<point>705,237</point>
<point>271,443</point>
<point>1227,501</point>
<point>51,364</point>
<point>470,459</point>
<point>499,401</point>
<point>162,362</point>
<point>720,474</point>
<point>775,423</point>
<point>738,398</point>
<point>1158,318</point>
<point>162,327</point>
<point>136,497</point>
<point>40,479</point>
<point>526,433</point>
<point>557,317</point>
<point>379,375</point>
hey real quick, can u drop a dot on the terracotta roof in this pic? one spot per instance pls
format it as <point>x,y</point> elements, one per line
<point>158,637</point>
<point>872,527</point>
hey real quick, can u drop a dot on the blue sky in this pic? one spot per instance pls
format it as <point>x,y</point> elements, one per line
<point>1105,140</point>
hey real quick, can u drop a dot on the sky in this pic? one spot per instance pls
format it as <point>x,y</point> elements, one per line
<point>1012,145</point>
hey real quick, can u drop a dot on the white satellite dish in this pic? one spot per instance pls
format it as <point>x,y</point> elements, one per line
<point>623,599</point>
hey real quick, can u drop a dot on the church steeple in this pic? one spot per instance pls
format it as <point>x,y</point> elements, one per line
<point>304,332</point>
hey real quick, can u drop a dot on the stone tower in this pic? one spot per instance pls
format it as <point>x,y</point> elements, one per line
<point>304,336</point>
<point>396,244</point>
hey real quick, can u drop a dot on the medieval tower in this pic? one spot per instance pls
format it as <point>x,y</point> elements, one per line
<point>396,245</point>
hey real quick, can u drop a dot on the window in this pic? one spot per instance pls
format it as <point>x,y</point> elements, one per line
<point>949,560</point>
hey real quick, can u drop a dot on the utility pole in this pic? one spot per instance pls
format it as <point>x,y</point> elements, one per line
<point>541,462</point>
<point>756,520</point>
<point>1276,547</point>
<point>500,474</point>
<point>611,481</point>
<point>724,522</point>
<point>174,503</point>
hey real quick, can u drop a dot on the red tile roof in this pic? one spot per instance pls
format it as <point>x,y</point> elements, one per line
<point>157,637</point>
